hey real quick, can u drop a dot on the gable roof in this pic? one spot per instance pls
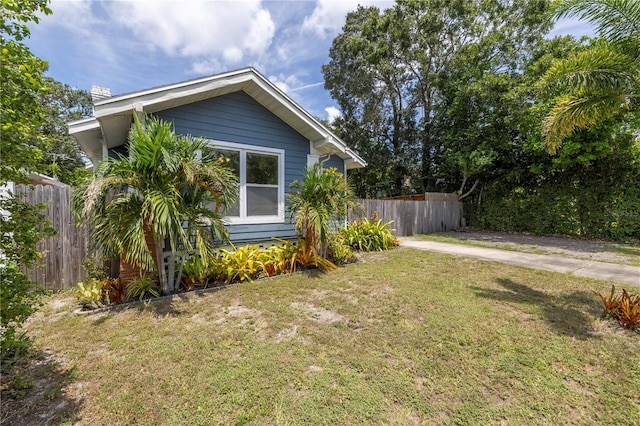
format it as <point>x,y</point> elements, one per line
<point>113,115</point>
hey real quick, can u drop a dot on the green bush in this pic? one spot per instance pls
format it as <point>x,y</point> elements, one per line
<point>611,213</point>
<point>240,264</point>
<point>369,235</point>
<point>142,288</point>
<point>90,294</point>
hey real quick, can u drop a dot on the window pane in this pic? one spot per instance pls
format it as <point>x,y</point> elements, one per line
<point>233,210</point>
<point>228,157</point>
<point>262,201</point>
<point>262,168</point>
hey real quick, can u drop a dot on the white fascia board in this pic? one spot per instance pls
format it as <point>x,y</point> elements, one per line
<point>247,79</point>
<point>84,125</point>
<point>168,96</point>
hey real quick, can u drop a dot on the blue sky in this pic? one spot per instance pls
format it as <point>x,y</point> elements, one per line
<point>133,45</point>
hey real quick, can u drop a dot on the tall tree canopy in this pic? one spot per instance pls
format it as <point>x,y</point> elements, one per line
<point>397,74</point>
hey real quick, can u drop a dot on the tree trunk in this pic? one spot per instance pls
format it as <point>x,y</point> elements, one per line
<point>129,271</point>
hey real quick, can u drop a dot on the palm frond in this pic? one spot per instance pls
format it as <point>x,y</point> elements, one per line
<point>596,69</point>
<point>614,20</point>
<point>573,112</point>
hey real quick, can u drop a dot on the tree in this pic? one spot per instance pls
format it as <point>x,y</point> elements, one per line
<point>600,82</point>
<point>389,71</point>
<point>320,199</point>
<point>21,85</point>
<point>169,187</point>
<point>61,155</point>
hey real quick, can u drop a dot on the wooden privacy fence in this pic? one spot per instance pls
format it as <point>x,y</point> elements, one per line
<point>61,267</point>
<point>414,217</point>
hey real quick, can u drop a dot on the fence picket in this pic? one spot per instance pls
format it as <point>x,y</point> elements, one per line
<point>61,267</point>
<point>440,212</point>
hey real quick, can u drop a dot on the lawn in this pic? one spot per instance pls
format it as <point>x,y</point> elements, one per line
<point>403,337</point>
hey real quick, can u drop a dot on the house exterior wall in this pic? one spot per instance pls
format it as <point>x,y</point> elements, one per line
<point>238,118</point>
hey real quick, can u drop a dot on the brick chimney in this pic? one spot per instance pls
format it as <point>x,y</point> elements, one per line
<point>98,93</point>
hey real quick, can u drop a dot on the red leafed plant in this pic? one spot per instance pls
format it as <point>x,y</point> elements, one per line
<point>611,304</point>
<point>116,291</point>
<point>629,311</point>
<point>624,308</point>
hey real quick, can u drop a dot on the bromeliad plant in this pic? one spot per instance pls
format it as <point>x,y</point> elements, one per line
<point>624,308</point>
<point>369,235</point>
<point>90,294</point>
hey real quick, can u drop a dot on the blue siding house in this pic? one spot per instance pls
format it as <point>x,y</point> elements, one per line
<point>248,120</point>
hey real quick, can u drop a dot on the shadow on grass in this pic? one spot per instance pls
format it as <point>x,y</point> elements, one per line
<point>570,314</point>
<point>34,392</point>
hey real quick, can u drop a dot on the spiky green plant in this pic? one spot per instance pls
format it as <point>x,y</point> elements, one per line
<point>322,197</point>
<point>603,80</point>
<point>133,204</point>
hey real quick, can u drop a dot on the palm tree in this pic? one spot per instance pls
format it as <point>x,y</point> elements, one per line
<point>322,197</point>
<point>603,80</point>
<point>161,191</point>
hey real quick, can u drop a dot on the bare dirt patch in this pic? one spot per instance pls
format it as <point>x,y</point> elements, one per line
<point>318,314</point>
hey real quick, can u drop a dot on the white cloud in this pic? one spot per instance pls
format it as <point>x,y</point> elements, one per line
<point>285,83</point>
<point>332,114</point>
<point>328,17</point>
<point>206,67</point>
<point>197,28</point>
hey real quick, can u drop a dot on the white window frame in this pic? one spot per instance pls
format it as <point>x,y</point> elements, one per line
<point>244,219</point>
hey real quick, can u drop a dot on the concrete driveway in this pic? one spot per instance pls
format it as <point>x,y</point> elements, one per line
<point>582,268</point>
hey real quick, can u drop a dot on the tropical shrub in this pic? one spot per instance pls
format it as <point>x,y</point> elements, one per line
<point>90,294</point>
<point>369,235</point>
<point>240,264</point>
<point>197,272</point>
<point>115,290</point>
<point>624,308</point>
<point>171,181</point>
<point>143,287</point>
<point>281,259</point>
<point>340,252</point>
<point>321,198</point>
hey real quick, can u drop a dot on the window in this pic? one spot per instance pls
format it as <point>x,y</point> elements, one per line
<point>260,173</point>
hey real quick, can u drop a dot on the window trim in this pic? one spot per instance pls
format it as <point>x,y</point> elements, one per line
<point>244,219</point>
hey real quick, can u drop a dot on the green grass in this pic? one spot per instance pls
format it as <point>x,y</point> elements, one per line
<point>404,337</point>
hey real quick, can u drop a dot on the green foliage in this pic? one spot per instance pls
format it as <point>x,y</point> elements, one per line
<point>309,257</point>
<point>95,268</point>
<point>425,110</point>
<point>141,288</point>
<point>624,308</point>
<point>166,181</point>
<point>61,155</point>
<point>21,77</point>
<point>600,82</point>
<point>90,294</point>
<point>322,197</point>
<point>241,263</point>
<point>197,272</point>
<point>340,252</point>
<point>279,259</point>
<point>369,235</point>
